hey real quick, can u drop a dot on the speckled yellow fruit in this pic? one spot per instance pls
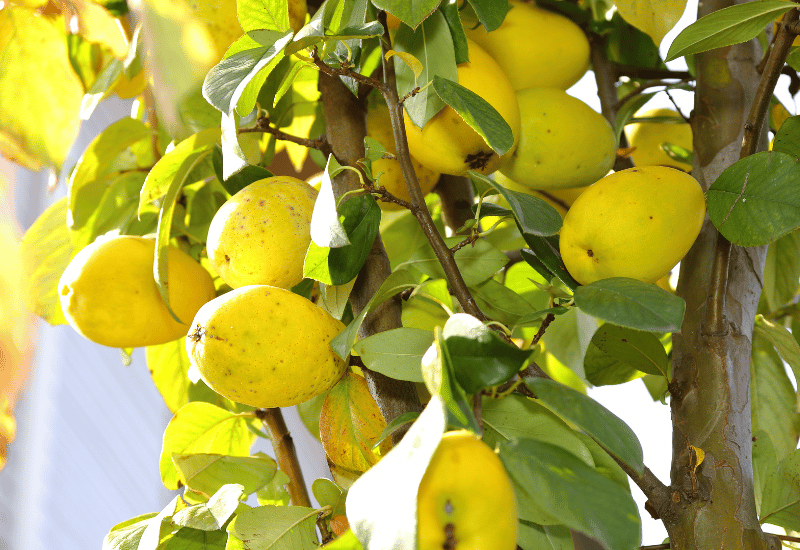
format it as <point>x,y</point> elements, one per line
<point>636,223</point>
<point>265,346</point>
<point>563,142</point>
<point>536,48</point>
<point>466,496</point>
<point>109,296</point>
<point>297,14</point>
<point>647,138</point>
<point>449,145</point>
<point>379,127</point>
<point>261,234</point>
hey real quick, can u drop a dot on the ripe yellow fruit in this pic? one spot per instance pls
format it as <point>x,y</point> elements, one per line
<point>563,142</point>
<point>449,145</point>
<point>647,138</point>
<point>636,223</point>
<point>466,497</point>
<point>536,48</point>
<point>379,127</point>
<point>265,346</point>
<point>261,234</point>
<point>297,14</point>
<point>109,296</point>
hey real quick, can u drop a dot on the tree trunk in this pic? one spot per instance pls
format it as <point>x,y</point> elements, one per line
<point>713,504</point>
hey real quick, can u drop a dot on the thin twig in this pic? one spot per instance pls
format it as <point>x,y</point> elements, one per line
<point>664,546</point>
<point>285,454</point>
<point>549,318</point>
<point>345,70</point>
<point>263,126</point>
<point>443,253</point>
<point>645,72</point>
<point>715,313</point>
<point>644,86</point>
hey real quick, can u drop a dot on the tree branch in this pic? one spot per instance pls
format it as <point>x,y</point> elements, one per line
<point>285,454</point>
<point>263,126</point>
<point>443,253</point>
<point>647,72</point>
<point>715,314</point>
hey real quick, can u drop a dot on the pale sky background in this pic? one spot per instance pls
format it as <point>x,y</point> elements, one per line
<point>89,429</point>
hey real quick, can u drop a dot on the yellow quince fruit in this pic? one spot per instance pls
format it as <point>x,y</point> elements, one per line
<point>636,223</point>
<point>466,497</point>
<point>535,47</point>
<point>563,142</point>
<point>379,127</point>
<point>109,296</point>
<point>261,234</point>
<point>265,346</point>
<point>449,145</point>
<point>647,138</point>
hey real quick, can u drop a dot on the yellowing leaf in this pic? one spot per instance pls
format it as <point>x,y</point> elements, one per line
<point>653,17</point>
<point>41,93</point>
<point>412,62</point>
<point>98,26</point>
<point>350,424</point>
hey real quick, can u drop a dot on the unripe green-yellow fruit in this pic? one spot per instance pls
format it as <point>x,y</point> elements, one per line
<point>449,145</point>
<point>379,127</point>
<point>563,142</point>
<point>261,234</point>
<point>109,296</point>
<point>536,48</point>
<point>465,499</point>
<point>636,223</point>
<point>265,346</point>
<point>647,138</point>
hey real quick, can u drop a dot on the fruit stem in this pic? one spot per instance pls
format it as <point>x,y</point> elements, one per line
<point>419,208</point>
<point>285,454</point>
<point>715,322</point>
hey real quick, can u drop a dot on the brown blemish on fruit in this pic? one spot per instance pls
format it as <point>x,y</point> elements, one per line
<point>450,541</point>
<point>590,253</point>
<point>479,160</point>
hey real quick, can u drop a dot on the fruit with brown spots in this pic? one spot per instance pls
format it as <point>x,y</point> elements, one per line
<point>261,234</point>
<point>265,346</point>
<point>465,500</point>
<point>636,223</point>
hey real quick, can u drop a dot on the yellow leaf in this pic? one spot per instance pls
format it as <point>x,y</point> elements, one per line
<point>41,93</point>
<point>8,427</point>
<point>413,63</point>
<point>653,17</point>
<point>98,26</point>
<point>697,457</point>
<point>350,424</point>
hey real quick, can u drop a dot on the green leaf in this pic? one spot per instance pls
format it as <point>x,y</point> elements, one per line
<point>206,473</point>
<point>773,401</point>
<point>757,199</point>
<point>94,95</point>
<point>410,12</point>
<point>477,112</point>
<point>438,373</point>
<point>764,464</point>
<point>628,110</point>
<point>275,492</point>
<point>618,354</point>
<point>500,303</point>
<point>272,15</point>
<point>544,250</point>
<point>782,270</point>
<point>544,537</point>
<point>477,262</point>
<point>169,367</point>
<point>360,217</point>
<point>491,14</point>
<point>631,303</point>
<point>176,165</point>
<point>401,420</point>
<point>780,504</point>
<point>187,538</point>
<point>157,527</point>
<point>46,250</point>
<point>203,428</point>
<point>397,353</point>
<point>328,493</point>
<point>273,528</point>
<point>591,417</point>
<point>604,463</point>
<point>126,535</point>
<point>377,521</point>
<point>573,492</point>
<point>534,216</point>
<point>327,230</point>
<point>211,515</point>
<point>518,417</point>
<point>568,337</point>
<point>398,281</point>
<point>787,140</point>
<point>347,541</point>
<point>235,183</point>
<point>450,10</point>
<point>432,45</point>
<point>480,358</point>
<point>725,27</point>
<point>780,337</point>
